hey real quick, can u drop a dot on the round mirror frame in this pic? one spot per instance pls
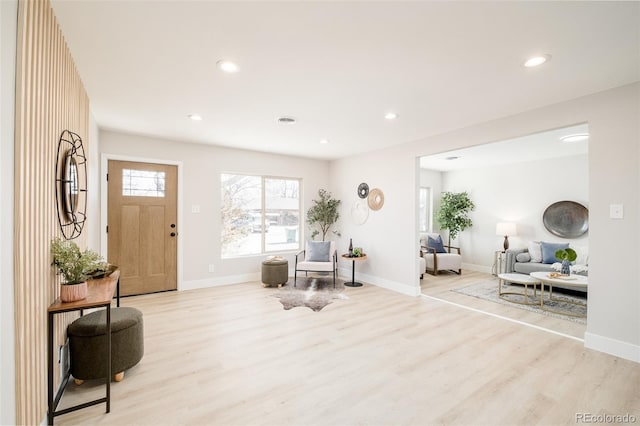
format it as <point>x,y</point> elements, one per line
<point>71,184</point>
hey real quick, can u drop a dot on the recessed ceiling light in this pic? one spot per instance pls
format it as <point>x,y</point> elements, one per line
<point>324,141</point>
<point>536,61</point>
<point>391,116</point>
<point>227,66</point>
<point>453,157</point>
<point>577,137</point>
<point>195,117</point>
<point>286,120</point>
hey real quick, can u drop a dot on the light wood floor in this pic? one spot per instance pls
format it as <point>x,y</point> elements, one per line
<point>440,287</point>
<point>232,356</point>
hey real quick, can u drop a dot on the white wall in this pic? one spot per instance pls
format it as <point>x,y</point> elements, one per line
<point>92,227</point>
<point>519,193</point>
<point>201,168</point>
<point>8,22</point>
<point>433,180</point>
<point>614,163</point>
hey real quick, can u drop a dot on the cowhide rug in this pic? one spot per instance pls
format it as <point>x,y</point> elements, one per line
<point>313,293</point>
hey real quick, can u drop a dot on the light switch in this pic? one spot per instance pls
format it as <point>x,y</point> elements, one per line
<point>616,211</point>
<point>195,208</point>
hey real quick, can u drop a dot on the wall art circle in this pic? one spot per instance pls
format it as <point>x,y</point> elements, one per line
<point>363,190</point>
<point>566,219</point>
<point>376,199</point>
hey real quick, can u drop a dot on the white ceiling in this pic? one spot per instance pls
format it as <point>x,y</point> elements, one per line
<point>539,146</point>
<point>338,67</point>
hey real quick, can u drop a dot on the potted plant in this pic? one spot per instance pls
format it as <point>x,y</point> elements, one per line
<point>452,214</point>
<point>76,267</point>
<point>566,256</point>
<point>323,214</point>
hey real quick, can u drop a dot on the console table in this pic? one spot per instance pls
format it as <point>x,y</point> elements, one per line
<point>100,293</point>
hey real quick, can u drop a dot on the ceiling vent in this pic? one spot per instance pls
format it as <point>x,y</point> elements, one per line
<point>286,120</point>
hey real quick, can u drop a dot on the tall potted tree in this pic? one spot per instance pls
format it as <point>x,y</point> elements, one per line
<point>453,213</point>
<point>323,214</point>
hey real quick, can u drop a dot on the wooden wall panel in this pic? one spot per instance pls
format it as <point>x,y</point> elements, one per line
<point>50,98</point>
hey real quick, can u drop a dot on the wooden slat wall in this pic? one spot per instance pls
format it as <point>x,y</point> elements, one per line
<point>50,98</point>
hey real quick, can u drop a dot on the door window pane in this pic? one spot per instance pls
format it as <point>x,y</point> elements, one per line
<point>142,183</point>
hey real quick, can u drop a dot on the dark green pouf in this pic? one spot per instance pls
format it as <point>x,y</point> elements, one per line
<point>88,342</point>
<point>275,271</point>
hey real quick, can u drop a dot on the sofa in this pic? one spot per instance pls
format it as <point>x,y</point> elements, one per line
<point>530,259</point>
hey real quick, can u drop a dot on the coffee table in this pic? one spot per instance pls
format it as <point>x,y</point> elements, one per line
<point>524,279</point>
<point>573,280</point>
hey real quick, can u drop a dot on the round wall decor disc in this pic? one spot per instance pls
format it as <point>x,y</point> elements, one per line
<point>363,190</point>
<point>566,219</point>
<point>376,199</point>
<point>359,212</point>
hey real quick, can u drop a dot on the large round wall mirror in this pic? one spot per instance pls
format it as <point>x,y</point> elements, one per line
<point>71,184</point>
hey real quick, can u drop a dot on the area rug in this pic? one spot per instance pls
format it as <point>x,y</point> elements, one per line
<point>313,293</point>
<point>562,302</point>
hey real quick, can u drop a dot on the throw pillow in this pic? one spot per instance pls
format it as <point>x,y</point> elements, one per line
<point>535,251</point>
<point>318,251</point>
<point>436,243</point>
<point>523,257</point>
<point>549,251</point>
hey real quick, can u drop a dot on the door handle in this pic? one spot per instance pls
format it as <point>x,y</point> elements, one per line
<point>173,234</point>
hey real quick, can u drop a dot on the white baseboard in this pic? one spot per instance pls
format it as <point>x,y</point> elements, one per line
<point>396,286</point>
<point>612,346</point>
<point>219,281</point>
<point>342,273</point>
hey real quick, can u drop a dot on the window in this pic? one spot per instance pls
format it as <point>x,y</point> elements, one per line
<point>259,214</point>
<point>142,183</point>
<point>425,209</point>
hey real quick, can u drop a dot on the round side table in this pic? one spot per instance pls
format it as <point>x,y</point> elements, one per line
<point>353,259</point>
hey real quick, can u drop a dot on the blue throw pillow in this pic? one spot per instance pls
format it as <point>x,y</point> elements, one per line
<point>318,251</point>
<point>436,243</point>
<point>549,251</point>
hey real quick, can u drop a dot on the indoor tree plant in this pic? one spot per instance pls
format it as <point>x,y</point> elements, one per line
<point>453,213</point>
<point>76,267</point>
<point>566,256</point>
<point>323,214</point>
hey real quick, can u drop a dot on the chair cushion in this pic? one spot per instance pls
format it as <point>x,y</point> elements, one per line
<point>445,261</point>
<point>315,266</point>
<point>436,243</point>
<point>318,251</point>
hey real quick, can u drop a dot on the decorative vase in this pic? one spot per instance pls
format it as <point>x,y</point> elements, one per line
<point>73,292</point>
<point>566,268</point>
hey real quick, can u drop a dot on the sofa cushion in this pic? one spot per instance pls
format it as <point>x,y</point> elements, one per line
<point>535,251</point>
<point>549,251</point>
<point>523,257</point>
<point>436,243</point>
<point>529,267</point>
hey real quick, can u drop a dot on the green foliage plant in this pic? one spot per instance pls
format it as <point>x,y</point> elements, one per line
<point>566,254</point>
<point>75,265</point>
<point>323,214</point>
<point>453,213</point>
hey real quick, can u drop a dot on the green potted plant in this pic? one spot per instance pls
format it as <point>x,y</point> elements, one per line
<point>452,215</point>
<point>566,256</point>
<point>323,214</point>
<point>76,267</point>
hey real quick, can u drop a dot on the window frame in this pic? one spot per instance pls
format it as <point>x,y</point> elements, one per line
<point>263,216</point>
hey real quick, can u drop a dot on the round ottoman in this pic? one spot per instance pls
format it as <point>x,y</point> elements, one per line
<point>88,343</point>
<point>275,271</point>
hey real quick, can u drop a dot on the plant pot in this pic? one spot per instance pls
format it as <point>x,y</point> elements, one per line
<point>566,268</point>
<point>73,292</point>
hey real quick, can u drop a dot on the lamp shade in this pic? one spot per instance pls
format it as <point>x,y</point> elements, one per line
<point>506,228</point>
